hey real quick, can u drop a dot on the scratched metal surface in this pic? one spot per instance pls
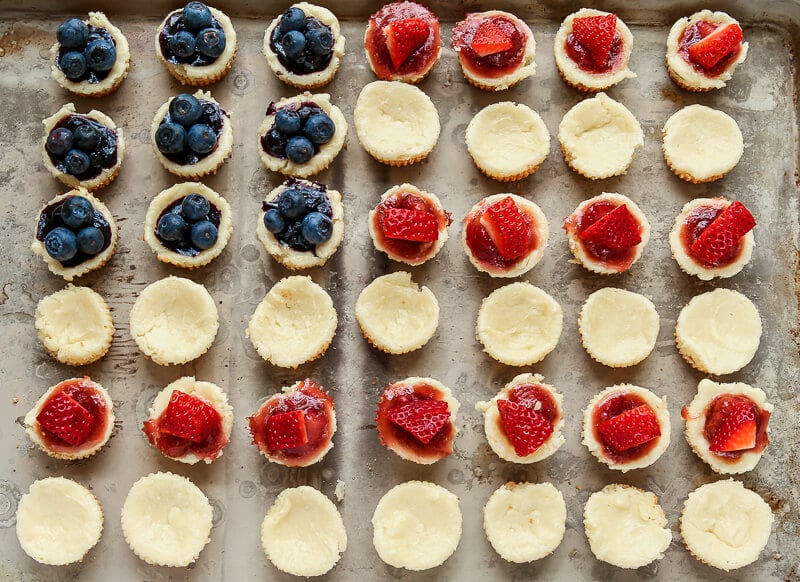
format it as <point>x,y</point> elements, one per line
<point>242,485</point>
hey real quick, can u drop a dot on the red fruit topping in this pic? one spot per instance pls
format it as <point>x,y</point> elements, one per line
<point>422,418</point>
<point>405,36</point>
<point>406,224</point>
<point>616,230</point>
<point>596,34</point>
<point>286,430</point>
<point>723,234</point>
<point>710,50</point>
<point>524,427</point>
<point>506,226</point>
<point>189,417</point>
<point>737,430</point>
<point>632,428</point>
<point>490,39</point>
<point>66,419</point>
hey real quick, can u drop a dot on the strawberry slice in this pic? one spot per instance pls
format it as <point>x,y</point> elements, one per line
<point>406,224</point>
<point>506,226</point>
<point>737,430</point>
<point>722,236</point>
<point>596,35</point>
<point>524,427</point>
<point>616,230</point>
<point>490,39</point>
<point>632,428</point>
<point>286,430</point>
<point>189,417</point>
<point>66,419</point>
<point>710,50</point>
<point>424,419</point>
<point>403,37</point>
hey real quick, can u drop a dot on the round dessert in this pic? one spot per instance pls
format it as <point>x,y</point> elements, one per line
<point>416,525</point>
<point>396,315</point>
<point>285,531</point>
<point>82,150</point>
<point>599,137</point>
<point>701,144</point>
<point>519,324</point>
<point>396,123</point>
<point>718,332</point>
<point>294,323</point>
<point>727,425</point>
<point>58,521</point>
<point>409,224</point>
<point>294,427</point>
<point>192,135</point>
<point>592,49</point>
<point>72,420</point>
<point>416,420</point>
<point>607,233</point>
<point>301,223</point>
<point>75,325</point>
<point>197,44</point>
<point>525,521</point>
<point>725,525</point>
<point>626,427</point>
<point>304,46</point>
<point>523,421</point>
<point>507,141</point>
<point>619,515</point>
<point>166,520</point>
<point>75,234</point>
<point>402,42</point>
<point>505,235</point>
<point>188,225</point>
<point>190,421</point>
<point>704,50</point>
<point>618,328</point>
<point>174,321</point>
<point>90,57</point>
<point>301,135</point>
<point>711,238</point>
<point>495,49</point>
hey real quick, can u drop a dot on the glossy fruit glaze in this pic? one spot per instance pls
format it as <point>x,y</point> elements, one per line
<point>693,226</point>
<point>618,259</point>
<point>498,64</point>
<point>83,391</point>
<point>375,41</point>
<point>407,249</point>
<point>483,248</point>
<point>695,32</point>
<point>613,405</point>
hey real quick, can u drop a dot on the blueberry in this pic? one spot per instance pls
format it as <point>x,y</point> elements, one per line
<point>201,138</point>
<point>170,138</point>
<point>203,235</point>
<point>319,128</point>
<point>210,42</point>
<point>196,15</point>
<point>292,19</point>
<point>275,143</point>
<point>77,211</point>
<point>61,244</point>
<point>185,109</point>
<point>59,141</point>
<point>317,228</point>
<point>86,137</point>
<point>299,149</point>
<point>73,64</point>
<point>292,203</point>
<point>77,162</point>
<point>90,240</point>
<point>320,40</point>
<point>288,121</point>
<point>293,43</point>
<point>274,221</point>
<point>72,33</point>
<point>100,55</point>
<point>293,236</point>
<point>182,44</point>
<point>195,207</point>
<point>171,227</point>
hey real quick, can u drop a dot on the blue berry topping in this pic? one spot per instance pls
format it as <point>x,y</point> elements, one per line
<point>85,52</point>
<point>317,228</point>
<point>320,41</point>
<point>185,109</point>
<point>310,55</point>
<point>77,212</point>
<point>293,19</point>
<point>207,37</point>
<point>72,33</point>
<point>210,42</point>
<point>196,16</point>
<point>298,131</point>
<point>293,43</point>
<point>292,203</point>
<point>61,244</point>
<point>100,55</point>
<point>300,216</point>
<point>86,137</point>
<point>172,227</point>
<point>73,64</point>
<point>76,162</point>
<point>182,44</point>
<point>204,235</point>
<point>299,149</point>
<point>273,220</point>
<point>61,224</point>
<point>288,121</point>
<point>319,128</point>
<point>170,138</point>
<point>90,240</point>
<point>201,138</point>
<point>189,225</point>
<point>195,207</point>
<point>59,141</point>
<point>81,146</point>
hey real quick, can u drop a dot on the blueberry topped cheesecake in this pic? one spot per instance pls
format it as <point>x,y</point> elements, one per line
<point>82,150</point>
<point>197,44</point>
<point>90,57</point>
<point>304,46</point>
<point>192,135</point>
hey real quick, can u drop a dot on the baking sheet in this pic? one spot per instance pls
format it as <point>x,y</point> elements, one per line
<point>242,485</point>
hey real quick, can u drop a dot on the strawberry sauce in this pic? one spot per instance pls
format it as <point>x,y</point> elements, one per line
<point>176,447</point>
<point>536,397</point>
<point>408,249</point>
<point>484,249</point>
<point>81,390</point>
<point>375,40</point>
<point>693,226</point>
<point>715,414</point>
<point>490,66</point>
<point>585,62</point>
<point>614,405</point>
<point>618,259</point>
<point>695,32</point>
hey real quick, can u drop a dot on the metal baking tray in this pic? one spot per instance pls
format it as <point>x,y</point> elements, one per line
<point>762,97</point>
